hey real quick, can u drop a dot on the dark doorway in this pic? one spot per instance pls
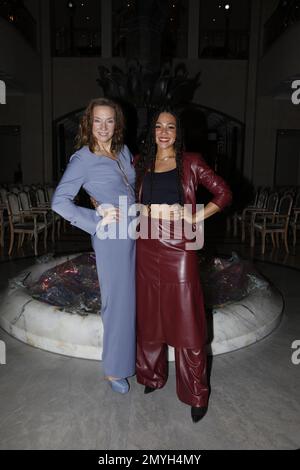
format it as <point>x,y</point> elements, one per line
<point>287,162</point>
<point>10,144</point>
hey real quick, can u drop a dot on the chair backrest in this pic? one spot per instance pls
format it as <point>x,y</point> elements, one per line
<point>255,199</point>
<point>285,208</point>
<point>285,205</point>
<point>13,207</point>
<point>272,202</point>
<point>24,201</point>
<point>33,198</point>
<point>262,199</point>
<point>50,192</point>
<point>297,201</point>
<point>289,192</point>
<point>40,195</point>
<point>15,190</point>
<point>3,193</point>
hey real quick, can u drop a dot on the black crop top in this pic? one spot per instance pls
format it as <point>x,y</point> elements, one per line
<point>164,188</point>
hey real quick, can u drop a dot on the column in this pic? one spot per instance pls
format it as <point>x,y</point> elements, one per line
<point>193,29</point>
<point>46,88</point>
<point>106,29</point>
<point>251,94</point>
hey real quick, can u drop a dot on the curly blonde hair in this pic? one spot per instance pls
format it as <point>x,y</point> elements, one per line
<point>85,131</point>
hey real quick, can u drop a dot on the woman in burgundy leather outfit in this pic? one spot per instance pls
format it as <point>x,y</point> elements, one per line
<point>170,308</point>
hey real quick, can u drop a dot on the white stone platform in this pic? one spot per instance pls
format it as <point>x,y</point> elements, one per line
<point>44,326</point>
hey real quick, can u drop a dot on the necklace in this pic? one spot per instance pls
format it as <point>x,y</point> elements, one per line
<point>165,158</point>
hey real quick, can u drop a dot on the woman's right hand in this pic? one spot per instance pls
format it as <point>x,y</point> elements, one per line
<point>109,213</point>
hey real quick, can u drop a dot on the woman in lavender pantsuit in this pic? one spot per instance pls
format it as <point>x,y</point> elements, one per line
<point>102,165</point>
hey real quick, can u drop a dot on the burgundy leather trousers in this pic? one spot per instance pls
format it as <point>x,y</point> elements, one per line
<point>191,373</point>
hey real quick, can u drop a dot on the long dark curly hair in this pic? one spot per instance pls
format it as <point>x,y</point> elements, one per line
<point>85,132</point>
<point>147,158</point>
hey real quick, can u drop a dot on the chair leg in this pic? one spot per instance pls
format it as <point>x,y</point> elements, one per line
<point>45,239</point>
<point>277,240</point>
<point>22,239</point>
<point>286,241</point>
<point>2,236</point>
<point>35,243</point>
<point>294,236</point>
<point>12,236</point>
<point>273,240</point>
<point>252,243</point>
<point>58,229</point>
<point>263,242</point>
<point>243,231</point>
<point>53,232</point>
<point>228,224</point>
<point>19,240</point>
<point>235,225</point>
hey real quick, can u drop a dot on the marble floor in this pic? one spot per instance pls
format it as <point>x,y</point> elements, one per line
<point>50,401</point>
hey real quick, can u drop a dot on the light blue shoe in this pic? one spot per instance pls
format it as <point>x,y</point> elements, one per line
<point>119,385</point>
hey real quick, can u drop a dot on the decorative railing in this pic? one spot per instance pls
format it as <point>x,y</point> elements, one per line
<point>222,44</point>
<point>77,42</point>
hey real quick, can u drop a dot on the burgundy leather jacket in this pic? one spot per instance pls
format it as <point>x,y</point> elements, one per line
<point>196,172</point>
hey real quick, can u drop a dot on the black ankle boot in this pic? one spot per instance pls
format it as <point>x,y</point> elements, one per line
<point>149,389</point>
<point>198,413</point>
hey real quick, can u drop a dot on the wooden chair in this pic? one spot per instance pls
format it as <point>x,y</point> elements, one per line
<point>3,215</point>
<point>3,223</point>
<point>44,215</point>
<point>295,225</point>
<point>269,211</point>
<point>49,191</point>
<point>295,222</point>
<point>245,217</point>
<point>18,224</point>
<point>41,199</point>
<point>3,195</point>
<point>44,201</point>
<point>274,223</point>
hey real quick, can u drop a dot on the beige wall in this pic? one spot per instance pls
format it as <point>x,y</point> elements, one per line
<point>271,115</point>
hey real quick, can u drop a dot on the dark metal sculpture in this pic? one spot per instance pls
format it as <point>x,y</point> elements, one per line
<point>145,88</point>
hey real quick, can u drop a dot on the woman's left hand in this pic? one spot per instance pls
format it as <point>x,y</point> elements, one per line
<point>176,212</point>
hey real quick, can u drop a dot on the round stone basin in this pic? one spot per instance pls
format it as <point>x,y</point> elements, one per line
<point>231,326</point>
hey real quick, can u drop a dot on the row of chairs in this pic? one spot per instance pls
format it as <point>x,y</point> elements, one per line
<point>28,213</point>
<point>271,214</point>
